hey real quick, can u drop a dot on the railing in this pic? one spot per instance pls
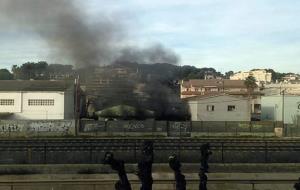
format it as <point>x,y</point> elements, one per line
<point>43,152</point>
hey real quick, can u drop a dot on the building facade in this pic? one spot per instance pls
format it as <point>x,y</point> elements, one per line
<point>289,78</point>
<point>37,100</point>
<point>284,108</point>
<point>277,88</point>
<point>261,75</point>
<point>196,87</point>
<point>220,107</point>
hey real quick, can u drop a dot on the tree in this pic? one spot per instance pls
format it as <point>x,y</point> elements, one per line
<point>250,83</point>
<point>276,76</point>
<point>41,71</point>
<point>228,74</point>
<point>6,75</point>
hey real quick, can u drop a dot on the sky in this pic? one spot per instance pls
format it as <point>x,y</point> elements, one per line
<point>236,35</point>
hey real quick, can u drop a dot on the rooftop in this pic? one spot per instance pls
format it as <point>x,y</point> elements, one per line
<point>212,95</point>
<point>225,83</point>
<point>35,85</point>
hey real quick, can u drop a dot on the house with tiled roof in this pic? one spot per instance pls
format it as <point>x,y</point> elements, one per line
<point>221,89</point>
<point>196,87</point>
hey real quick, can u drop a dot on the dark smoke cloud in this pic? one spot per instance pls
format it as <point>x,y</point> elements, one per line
<point>65,28</point>
<point>154,54</point>
<point>74,37</point>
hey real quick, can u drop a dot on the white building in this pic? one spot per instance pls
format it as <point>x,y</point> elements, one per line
<point>196,87</point>
<point>261,75</point>
<point>290,78</point>
<point>273,107</point>
<point>36,100</point>
<point>277,88</point>
<point>220,107</point>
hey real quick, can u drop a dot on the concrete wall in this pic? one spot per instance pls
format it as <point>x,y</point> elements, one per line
<point>161,181</point>
<point>177,129</point>
<point>124,128</point>
<point>220,113</point>
<point>272,107</point>
<point>42,112</point>
<point>34,128</point>
<point>69,104</point>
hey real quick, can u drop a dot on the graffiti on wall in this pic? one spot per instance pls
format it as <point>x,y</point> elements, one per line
<point>10,127</point>
<point>134,125</point>
<point>63,127</point>
<point>93,126</point>
<point>180,126</point>
<point>179,129</point>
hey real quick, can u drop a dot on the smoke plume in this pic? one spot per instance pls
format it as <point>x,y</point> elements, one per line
<point>65,28</point>
<point>153,54</point>
<point>68,30</point>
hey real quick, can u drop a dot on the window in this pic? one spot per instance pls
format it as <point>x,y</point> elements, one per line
<point>41,102</point>
<point>210,108</point>
<point>231,108</point>
<point>7,102</point>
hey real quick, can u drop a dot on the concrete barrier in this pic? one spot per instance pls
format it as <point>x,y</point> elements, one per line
<point>162,181</point>
<point>177,128</point>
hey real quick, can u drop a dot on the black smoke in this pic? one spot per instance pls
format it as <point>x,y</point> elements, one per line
<point>156,53</point>
<point>68,30</point>
<point>65,27</point>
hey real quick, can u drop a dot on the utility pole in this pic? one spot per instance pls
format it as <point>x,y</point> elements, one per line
<point>283,93</point>
<point>76,115</point>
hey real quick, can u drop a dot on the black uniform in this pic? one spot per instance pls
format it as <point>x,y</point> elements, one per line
<point>118,165</point>
<point>297,185</point>
<point>205,153</point>
<point>145,166</point>
<point>179,177</point>
<point>203,181</point>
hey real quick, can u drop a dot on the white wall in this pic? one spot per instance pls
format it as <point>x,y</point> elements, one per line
<point>271,107</point>
<point>16,96</point>
<point>220,113</point>
<point>21,109</point>
<point>43,112</point>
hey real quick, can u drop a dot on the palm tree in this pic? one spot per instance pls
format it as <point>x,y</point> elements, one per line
<point>250,83</point>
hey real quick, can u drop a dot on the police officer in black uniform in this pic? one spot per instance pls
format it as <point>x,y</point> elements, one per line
<point>297,185</point>
<point>145,166</point>
<point>118,165</point>
<point>175,165</point>
<point>203,180</point>
<point>205,153</point>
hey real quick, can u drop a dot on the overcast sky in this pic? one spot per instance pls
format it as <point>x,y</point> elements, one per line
<point>224,34</point>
